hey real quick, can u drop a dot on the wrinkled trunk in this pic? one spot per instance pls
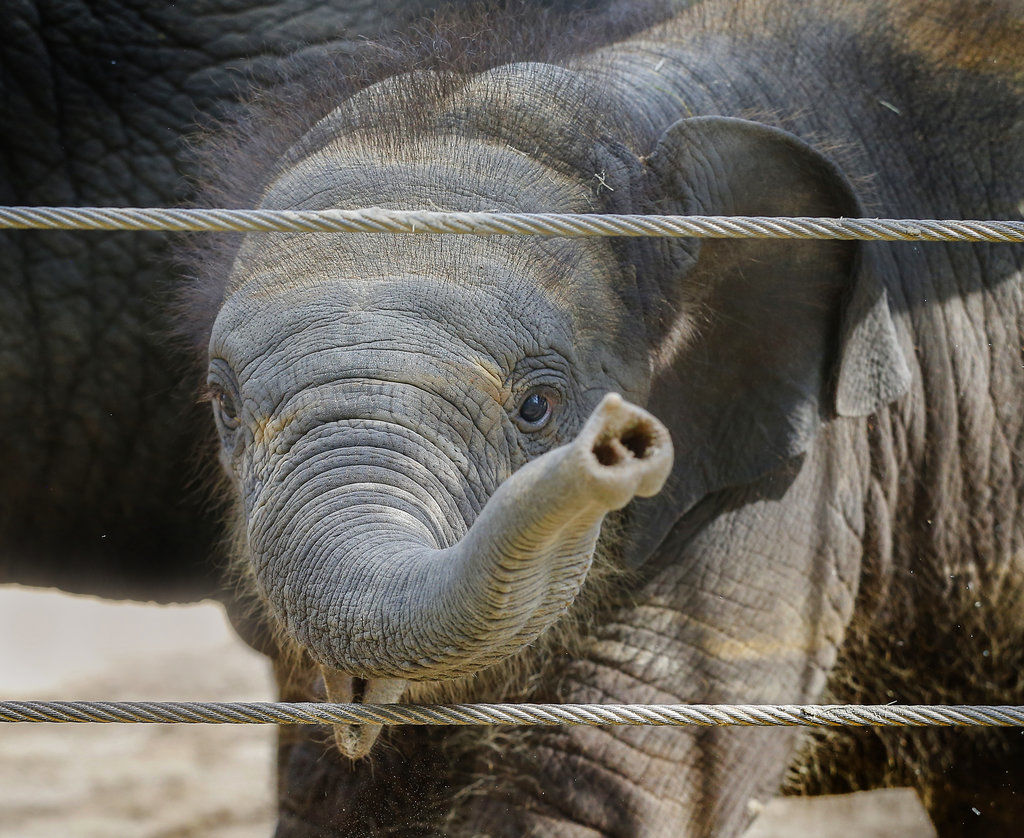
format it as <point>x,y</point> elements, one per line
<point>360,576</point>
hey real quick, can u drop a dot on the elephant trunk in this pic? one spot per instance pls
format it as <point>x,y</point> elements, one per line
<point>368,589</point>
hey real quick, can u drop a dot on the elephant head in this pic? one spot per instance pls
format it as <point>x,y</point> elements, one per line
<point>421,493</point>
<point>426,432</point>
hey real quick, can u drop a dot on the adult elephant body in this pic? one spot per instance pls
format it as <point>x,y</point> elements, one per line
<point>102,488</point>
<point>419,437</point>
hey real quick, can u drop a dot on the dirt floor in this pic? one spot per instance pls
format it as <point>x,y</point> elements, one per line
<point>145,781</point>
<point>183,781</point>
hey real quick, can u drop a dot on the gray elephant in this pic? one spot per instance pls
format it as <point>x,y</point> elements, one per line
<point>445,451</point>
<point>102,486</point>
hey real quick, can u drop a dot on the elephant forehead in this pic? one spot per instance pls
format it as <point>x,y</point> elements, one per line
<point>509,294</point>
<point>406,328</point>
<point>495,281</point>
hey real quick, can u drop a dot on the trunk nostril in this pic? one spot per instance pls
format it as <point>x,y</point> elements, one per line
<point>633,441</point>
<point>639,439</point>
<point>609,451</point>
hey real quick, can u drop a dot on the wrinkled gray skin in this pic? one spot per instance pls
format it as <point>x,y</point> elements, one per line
<point>846,493</point>
<point>102,487</point>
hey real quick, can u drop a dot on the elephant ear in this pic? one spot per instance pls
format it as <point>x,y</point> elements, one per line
<point>765,339</point>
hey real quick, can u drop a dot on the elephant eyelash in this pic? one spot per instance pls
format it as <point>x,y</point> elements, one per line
<point>224,404</point>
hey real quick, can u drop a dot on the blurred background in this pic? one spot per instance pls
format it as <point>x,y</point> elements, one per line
<point>142,781</point>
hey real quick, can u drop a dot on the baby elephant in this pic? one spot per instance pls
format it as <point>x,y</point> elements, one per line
<point>446,451</point>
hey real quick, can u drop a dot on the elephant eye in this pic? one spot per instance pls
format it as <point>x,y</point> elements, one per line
<point>535,411</point>
<point>224,408</point>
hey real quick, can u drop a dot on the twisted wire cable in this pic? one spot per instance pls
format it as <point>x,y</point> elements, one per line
<point>374,220</point>
<point>676,715</point>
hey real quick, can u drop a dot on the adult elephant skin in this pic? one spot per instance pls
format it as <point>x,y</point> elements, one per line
<point>434,442</point>
<point>102,484</point>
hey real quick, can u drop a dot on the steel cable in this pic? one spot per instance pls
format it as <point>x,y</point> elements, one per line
<point>679,715</point>
<point>374,220</point>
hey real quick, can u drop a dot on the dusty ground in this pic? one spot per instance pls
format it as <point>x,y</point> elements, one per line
<point>182,781</point>
<point>145,781</point>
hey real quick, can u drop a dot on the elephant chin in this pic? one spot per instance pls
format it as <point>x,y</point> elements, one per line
<point>355,741</point>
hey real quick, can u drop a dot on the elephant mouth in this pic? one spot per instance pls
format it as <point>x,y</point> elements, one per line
<point>356,740</point>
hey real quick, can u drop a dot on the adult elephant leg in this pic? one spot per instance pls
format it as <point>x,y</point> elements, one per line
<point>747,602</point>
